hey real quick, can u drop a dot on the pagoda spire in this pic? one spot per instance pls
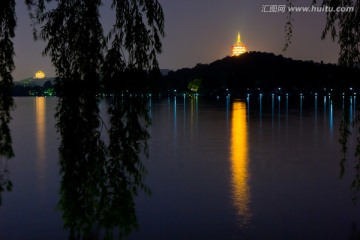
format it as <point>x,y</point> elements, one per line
<point>238,48</point>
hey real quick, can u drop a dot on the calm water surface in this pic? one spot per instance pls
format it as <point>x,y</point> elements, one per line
<point>218,169</point>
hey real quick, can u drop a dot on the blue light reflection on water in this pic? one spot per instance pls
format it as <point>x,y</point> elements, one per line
<point>316,108</point>
<point>351,108</point>
<point>272,109</point>
<point>289,175</point>
<point>331,118</point>
<point>175,116</point>
<point>279,109</point>
<point>260,106</point>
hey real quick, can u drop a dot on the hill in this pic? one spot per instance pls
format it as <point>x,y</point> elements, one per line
<point>31,82</point>
<point>258,71</point>
<point>248,73</point>
<point>34,87</point>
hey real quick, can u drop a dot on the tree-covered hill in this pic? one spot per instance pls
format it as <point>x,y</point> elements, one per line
<point>266,72</point>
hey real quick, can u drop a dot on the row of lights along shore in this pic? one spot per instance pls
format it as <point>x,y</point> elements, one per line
<point>279,92</point>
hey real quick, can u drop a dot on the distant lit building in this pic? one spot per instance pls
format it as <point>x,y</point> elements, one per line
<point>238,48</point>
<point>39,75</point>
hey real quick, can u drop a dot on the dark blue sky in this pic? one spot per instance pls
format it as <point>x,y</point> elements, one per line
<point>202,31</point>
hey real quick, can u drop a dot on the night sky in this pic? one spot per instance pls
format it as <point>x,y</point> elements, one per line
<point>202,31</point>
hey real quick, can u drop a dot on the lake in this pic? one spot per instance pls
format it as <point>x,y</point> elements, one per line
<point>257,168</point>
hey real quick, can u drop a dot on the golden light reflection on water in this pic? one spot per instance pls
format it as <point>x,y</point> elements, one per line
<point>40,105</point>
<point>239,161</point>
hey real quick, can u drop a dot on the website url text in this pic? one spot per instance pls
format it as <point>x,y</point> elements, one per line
<point>312,9</point>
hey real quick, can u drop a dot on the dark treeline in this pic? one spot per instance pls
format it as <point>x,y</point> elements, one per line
<point>134,81</point>
<point>250,72</point>
<point>266,72</point>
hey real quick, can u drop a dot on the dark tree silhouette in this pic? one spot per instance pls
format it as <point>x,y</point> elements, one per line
<point>100,177</point>
<point>258,71</point>
<point>343,27</point>
<point>100,180</point>
<point>134,43</point>
<point>7,33</point>
<point>78,47</point>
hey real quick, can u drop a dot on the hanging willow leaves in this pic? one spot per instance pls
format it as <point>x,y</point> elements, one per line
<point>100,178</point>
<point>343,26</point>
<point>7,33</point>
<point>134,42</point>
<point>75,42</point>
<point>288,27</point>
<point>78,47</point>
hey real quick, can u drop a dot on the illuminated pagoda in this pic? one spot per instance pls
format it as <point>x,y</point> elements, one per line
<point>39,75</point>
<point>238,48</point>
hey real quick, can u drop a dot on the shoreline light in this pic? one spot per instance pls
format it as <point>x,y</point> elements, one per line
<point>238,48</point>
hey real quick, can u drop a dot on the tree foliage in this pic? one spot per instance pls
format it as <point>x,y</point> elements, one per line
<point>7,33</point>
<point>99,177</point>
<point>74,40</point>
<point>81,52</point>
<point>344,27</point>
<point>134,43</point>
<point>266,71</point>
